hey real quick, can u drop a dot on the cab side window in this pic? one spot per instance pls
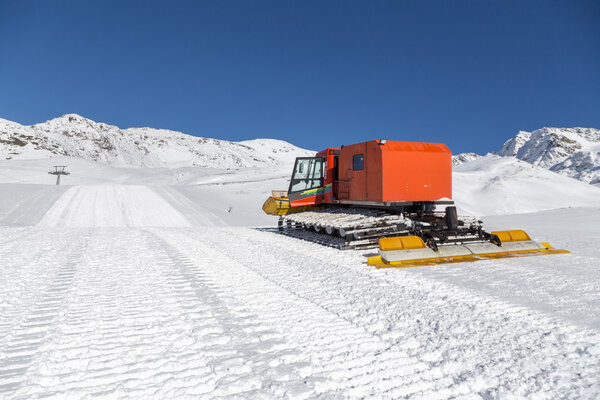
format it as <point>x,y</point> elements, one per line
<point>358,162</point>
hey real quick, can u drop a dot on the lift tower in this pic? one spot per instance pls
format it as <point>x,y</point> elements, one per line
<point>58,171</point>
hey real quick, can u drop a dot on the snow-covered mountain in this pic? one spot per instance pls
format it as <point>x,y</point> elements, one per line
<point>75,136</point>
<point>464,158</point>
<point>492,185</point>
<point>573,152</point>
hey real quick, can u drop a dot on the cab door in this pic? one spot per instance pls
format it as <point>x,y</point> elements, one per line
<point>306,185</point>
<point>357,172</point>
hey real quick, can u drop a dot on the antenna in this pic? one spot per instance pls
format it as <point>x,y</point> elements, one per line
<point>58,171</point>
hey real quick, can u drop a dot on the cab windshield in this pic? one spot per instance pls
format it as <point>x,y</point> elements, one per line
<point>308,174</point>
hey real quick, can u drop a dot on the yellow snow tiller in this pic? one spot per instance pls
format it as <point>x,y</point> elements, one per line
<point>411,251</point>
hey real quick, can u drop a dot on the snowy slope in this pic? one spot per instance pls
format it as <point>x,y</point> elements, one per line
<point>206,196</point>
<point>75,136</point>
<point>135,283</point>
<point>489,185</point>
<point>505,185</point>
<point>155,282</point>
<point>93,307</point>
<point>573,152</point>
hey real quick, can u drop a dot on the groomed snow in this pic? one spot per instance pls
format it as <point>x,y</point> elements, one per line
<point>133,283</point>
<point>112,205</point>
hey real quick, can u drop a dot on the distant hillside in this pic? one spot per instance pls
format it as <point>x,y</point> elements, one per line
<point>75,136</point>
<point>574,152</point>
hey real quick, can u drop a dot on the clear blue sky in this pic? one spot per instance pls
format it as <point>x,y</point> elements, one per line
<point>315,73</point>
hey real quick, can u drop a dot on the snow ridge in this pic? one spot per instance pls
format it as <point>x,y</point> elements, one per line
<point>573,152</point>
<point>75,136</point>
<point>464,158</point>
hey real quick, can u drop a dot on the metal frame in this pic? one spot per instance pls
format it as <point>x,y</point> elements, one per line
<point>58,171</point>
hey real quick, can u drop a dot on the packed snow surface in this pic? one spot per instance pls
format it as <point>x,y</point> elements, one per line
<point>157,283</point>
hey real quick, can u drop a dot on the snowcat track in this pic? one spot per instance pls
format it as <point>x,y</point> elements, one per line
<point>362,228</point>
<point>336,242</point>
<point>357,228</point>
<point>318,238</point>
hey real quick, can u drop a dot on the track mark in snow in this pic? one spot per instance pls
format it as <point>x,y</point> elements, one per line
<point>566,286</point>
<point>144,322</point>
<point>112,206</point>
<point>30,261</point>
<point>122,312</point>
<point>475,345</point>
<point>257,359</point>
<point>24,341</point>
<point>347,360</point>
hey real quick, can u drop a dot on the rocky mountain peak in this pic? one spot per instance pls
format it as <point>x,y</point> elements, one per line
<point>569,151</point>
<point>464,158</point>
